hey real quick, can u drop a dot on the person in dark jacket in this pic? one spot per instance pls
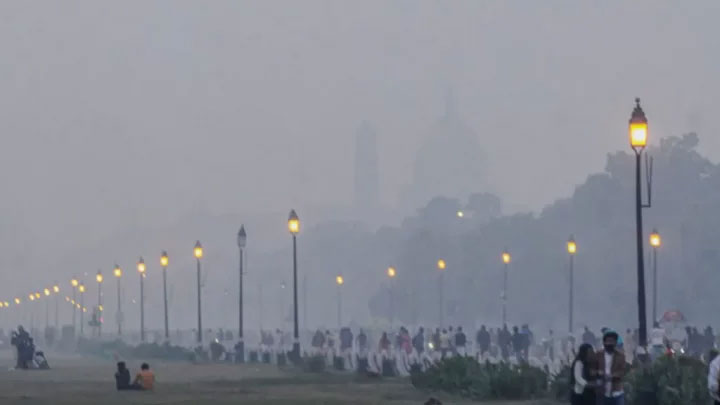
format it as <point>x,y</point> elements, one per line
<point>418,341</point>
<point>482,339</point>
<point>460,341</point>
<point>122,377</point>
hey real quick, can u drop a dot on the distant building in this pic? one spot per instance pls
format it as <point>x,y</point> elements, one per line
<point>450,162</point>
<point>367,177</point>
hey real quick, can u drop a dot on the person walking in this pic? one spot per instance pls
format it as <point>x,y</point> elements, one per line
<point>611,370</point>
<point>482,339</point>
<point>581,377</point>
<point>418,341</point>
<point>460,341</point>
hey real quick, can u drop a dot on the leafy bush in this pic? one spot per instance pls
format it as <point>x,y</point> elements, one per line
<point>668,381</point>
<point>142,351</point>
<point>560,384</point>
<point>314,364</point>
<point>466,377</point>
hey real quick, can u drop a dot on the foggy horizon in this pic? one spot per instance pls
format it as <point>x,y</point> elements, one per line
<point>124,121</point>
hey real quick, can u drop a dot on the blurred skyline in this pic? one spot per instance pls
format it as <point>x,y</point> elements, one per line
<point>137,115</point>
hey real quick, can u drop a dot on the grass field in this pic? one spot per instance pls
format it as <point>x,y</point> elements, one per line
<point>77,380</point>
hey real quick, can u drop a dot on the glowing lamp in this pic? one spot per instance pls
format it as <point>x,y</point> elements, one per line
<point>293,223</point>
<point>655,240</point>
<point>638,127</point>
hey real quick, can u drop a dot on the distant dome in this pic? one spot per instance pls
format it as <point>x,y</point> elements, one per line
<point>450,162</point>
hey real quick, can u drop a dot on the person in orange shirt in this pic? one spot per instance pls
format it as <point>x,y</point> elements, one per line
<point>145,378</point>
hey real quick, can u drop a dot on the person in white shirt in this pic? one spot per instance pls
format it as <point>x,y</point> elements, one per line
<point>657,341</point>
<point>583,392</point>
<point>713,375</point>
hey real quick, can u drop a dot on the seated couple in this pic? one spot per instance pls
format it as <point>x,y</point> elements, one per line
<point>144,381</point>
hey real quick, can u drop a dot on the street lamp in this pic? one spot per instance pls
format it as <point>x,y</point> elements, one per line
<point>198,251</point>
<point>572,249</point>
<point>655,242</point>
<point>74,284</point>
<point>56,290</point>
<point>117,272</point>
<point>164,261</point>
<point>81,288</point>
<point>47,308</point>
<point>506,259</point>
<point>99,279</point>
<point>391,273</point>
<point>638,130</point>
<point>441,265</point>
<point>141,270</point>
<point>294,228</point>
<point>340,281</point>
<point>241,242</point>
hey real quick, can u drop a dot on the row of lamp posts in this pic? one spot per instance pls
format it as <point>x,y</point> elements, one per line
<point>638,131</point>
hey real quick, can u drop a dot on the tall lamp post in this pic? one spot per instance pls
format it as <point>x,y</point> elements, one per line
<point>638,128</point>
<point>164,261</point>
<point>391,273</point>
<point>294,228</point>
<point>340,281</point>
<point>99,279</point>
<point>31,296</point>
<point>141,270</point>
<point>47,308</point>
<point>655,242</point>
<point>506,258</point>
<point>441,265</point>
<point>571,249</point>
<point>198,251</point>
<point>117,272</point>
<point>56,290</point>
<point>241,242</point>
<point>74,283</point>
<point>81,288</point>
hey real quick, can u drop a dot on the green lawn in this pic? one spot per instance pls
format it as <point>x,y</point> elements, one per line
<point>76,381</point>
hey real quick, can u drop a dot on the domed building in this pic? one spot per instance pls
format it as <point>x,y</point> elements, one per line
<point>449,163</point>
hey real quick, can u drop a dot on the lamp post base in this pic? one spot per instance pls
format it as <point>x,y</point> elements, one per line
<point>295,353</point>
<point>240,352</point>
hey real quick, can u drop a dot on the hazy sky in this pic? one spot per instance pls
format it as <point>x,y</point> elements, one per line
<point>114,113</point>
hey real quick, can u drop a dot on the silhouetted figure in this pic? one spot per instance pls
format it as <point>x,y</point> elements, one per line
<point>482,339</point>
<point>318,340</point>
<point>362,340</point>
<point>346,339</point>
<point>504,341</point>
<point>418,341</point>
<point>460,341</point>
<point>122,378</point>
<point>384,344</point>
<point>25,347</point>
<point>517,343</point>
<point>589,337</point>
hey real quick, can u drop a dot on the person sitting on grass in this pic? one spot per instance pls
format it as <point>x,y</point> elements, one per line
<point>145,378</point>
<point>122,377</point>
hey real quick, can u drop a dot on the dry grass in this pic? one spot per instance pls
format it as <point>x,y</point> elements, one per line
<point>76,380</point>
